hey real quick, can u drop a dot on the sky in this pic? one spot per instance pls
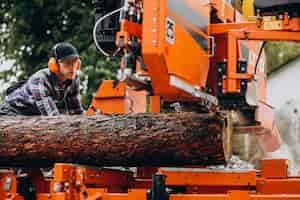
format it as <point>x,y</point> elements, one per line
<point>283,85</point>
<point>4,65</point>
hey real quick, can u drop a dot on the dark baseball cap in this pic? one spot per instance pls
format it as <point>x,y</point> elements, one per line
<point>64,51</point>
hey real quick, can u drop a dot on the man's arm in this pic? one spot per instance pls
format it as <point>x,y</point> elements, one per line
<point>43,100</point>
<point>75,106</point>
<point>73,100</point>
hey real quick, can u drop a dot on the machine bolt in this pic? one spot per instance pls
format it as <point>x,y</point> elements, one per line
<point>7,184</point>
<point>78,183</point>
<point>66,184</point>
<point>8,195</point>
<point>56,187</point>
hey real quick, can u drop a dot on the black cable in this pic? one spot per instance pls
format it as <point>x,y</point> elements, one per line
<point>259,56</point>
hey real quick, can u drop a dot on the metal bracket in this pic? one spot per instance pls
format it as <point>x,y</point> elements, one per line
<point>213,46</point>
<point>193,90</point>
<point>158,189</point>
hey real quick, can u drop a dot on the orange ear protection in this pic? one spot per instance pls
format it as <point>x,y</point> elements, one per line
<point>53,65</point>
<point>78,64</point>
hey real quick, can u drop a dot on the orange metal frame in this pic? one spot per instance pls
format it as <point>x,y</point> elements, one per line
<point>128,29</point>
<point>190,62</point>
<point>289,31</point>
<point>8,186</point>
<point>74,182</point>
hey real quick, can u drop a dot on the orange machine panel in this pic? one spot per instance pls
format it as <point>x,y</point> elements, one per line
<point>202,177</point>
<point>114,98</point>
<point>107,90</point>
<point>109,99</point>
<point>152,48</point>
<point>160,55</point>
<point>274,168</point>
<point>186,40</point>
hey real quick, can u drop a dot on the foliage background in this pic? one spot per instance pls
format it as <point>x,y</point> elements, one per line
<point>281,53</point>
<point>29,29</point>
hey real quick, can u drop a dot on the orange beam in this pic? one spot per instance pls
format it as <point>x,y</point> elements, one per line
<point>224,28</point>
<point>274,197</point>
<point>104,177</point>
<point>231,195</point>
<point>293,25</point>
<point>232,52</point>
<point>209,177</point>
<point>240,76</point>
<point>54,196</point>
<point>278,186</point>
<point>199,197</point>
<point>266,35</point>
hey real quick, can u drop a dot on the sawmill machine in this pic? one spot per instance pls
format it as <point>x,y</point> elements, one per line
<point>200,56</point>
<point>181,55</point>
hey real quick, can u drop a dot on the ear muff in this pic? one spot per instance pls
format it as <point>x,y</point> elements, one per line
<point>78,64</point>
<point>53,65</point>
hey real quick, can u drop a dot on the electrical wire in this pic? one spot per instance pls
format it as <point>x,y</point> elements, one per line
<point>95,30</point>
<point>259,56</point>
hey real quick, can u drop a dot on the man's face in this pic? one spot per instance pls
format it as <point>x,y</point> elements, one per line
<point>68,67</point>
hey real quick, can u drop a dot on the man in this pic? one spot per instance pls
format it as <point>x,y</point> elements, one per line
<point>50,91</point>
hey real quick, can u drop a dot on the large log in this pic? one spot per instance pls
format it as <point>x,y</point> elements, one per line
<point>173,139</point>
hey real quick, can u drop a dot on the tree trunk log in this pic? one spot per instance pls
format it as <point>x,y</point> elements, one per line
<point>173,139</point>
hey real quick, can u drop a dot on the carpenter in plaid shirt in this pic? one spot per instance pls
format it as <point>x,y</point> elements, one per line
<point>50,91</point>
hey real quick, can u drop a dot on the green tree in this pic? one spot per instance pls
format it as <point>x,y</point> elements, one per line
<point>280,53</point>
<point>29,29</point>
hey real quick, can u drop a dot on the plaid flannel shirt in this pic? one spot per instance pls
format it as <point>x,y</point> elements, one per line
<point>44,94</point>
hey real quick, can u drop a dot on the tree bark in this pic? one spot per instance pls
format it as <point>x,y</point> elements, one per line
<point>173,139</point>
